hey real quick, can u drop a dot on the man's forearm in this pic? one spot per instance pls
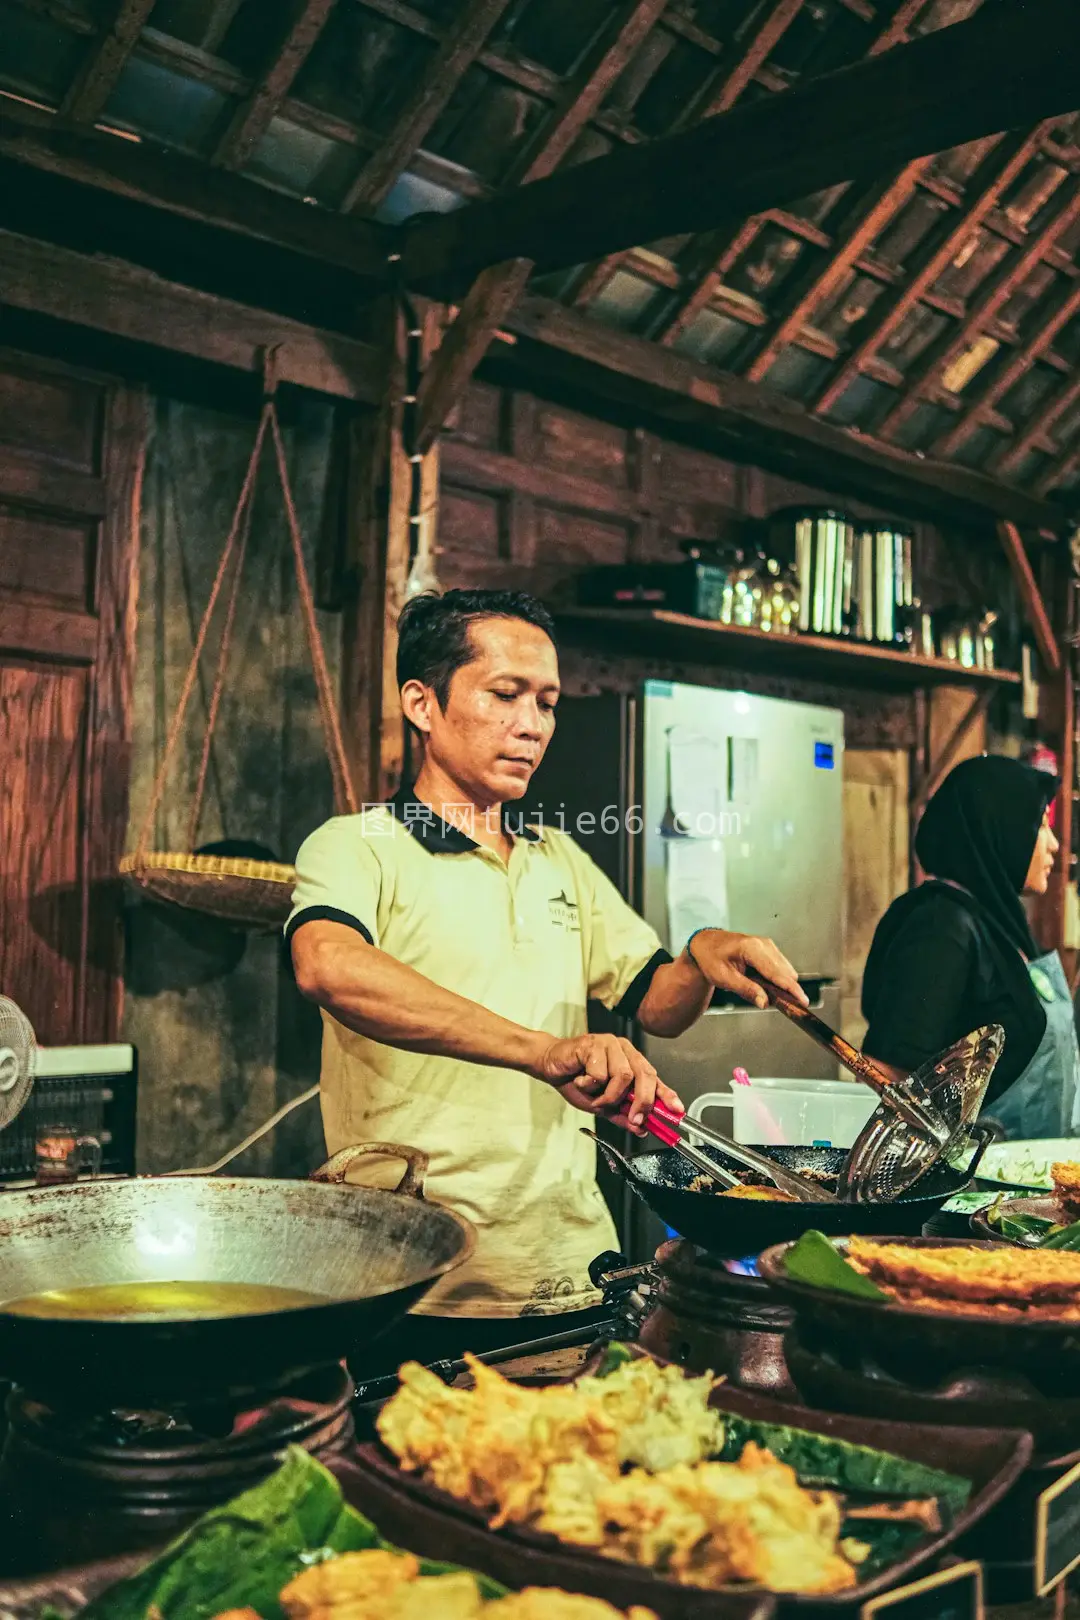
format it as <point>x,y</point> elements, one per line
<point>371,993</point>
<point>676,998</point>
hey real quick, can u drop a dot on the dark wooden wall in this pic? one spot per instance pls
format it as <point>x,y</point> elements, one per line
<point>532,493</point>
<point>71,448</point>
<point>223,1035</point>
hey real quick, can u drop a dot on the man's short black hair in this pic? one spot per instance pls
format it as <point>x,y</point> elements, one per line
<point>433,632</point>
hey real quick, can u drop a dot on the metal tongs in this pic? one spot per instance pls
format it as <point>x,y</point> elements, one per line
<point>672,1129</point>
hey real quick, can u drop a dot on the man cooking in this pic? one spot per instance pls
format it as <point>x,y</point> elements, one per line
<point>453,953</point>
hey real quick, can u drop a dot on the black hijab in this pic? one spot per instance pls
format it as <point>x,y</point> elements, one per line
<point>979,830</point>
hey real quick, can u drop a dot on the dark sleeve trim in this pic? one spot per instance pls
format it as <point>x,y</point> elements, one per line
<point>326,914</point>
<point>636,991</point>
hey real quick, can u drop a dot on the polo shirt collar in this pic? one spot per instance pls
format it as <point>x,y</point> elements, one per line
<point>442,836</point>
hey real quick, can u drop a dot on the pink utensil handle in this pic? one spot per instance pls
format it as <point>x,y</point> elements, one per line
<point>660,1122</point>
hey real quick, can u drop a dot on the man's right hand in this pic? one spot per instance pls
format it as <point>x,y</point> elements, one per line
<point>601,1073</point>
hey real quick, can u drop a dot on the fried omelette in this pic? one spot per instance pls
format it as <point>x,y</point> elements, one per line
<point>381,1585</point>
<point>706,1184</point>
<point>555,1460</point>
<point>1066,1179</point>
<point>1031,1284</point>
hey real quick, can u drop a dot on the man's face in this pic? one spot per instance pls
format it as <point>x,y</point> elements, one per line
<point>500,711</point>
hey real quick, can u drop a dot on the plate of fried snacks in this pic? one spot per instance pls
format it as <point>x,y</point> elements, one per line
<point>292,1548</point>
<point>637,1463</point>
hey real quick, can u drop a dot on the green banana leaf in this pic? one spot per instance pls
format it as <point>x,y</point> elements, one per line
<point>841,1465</point>
<point>813,1259</point>
<point>242,1554</point>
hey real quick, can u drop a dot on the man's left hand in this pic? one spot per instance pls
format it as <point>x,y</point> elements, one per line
<point>728,961</point>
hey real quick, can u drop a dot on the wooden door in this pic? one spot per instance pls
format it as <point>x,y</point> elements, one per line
<point>71,450</point>
<point>876,830</point>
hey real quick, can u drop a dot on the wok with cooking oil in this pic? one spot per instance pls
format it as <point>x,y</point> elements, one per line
<point>178,1288</point>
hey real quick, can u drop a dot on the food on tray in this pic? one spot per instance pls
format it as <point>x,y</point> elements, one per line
<point>1032,1284</point>
<point>712,1524</point>
<point>626,1464</point>
<point>292,1549</point>
<point>1066,1178</point>
<point>389,1585</point>
<point>494,1443</point>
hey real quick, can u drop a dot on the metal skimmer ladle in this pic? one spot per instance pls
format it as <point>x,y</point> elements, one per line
<point>927,1117</point>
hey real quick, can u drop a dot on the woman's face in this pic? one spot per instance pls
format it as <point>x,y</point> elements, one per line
<point>1042,859</point>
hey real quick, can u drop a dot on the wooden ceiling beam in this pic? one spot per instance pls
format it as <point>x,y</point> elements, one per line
<point>1031,598</point>
<point>128,302</point>
<point>97,78</point>
<point>457,52</point>
<point>253,117</point>
<point>1010,159</point>
<point>1059,469</point>
<point>1039,425</point>
<point>889,203</point>
<point>986,307</point>
<point>947,88</point>
<point>218,23</point>
<point>1021,363</point>
<point>182,185</point>
<point>752,421</point>
<point>498,288</point>
<point>732,85</point>
<point>722,250</point>
<point>822,286</point>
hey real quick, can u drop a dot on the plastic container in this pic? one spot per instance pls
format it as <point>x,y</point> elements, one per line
<point>791,1112</point>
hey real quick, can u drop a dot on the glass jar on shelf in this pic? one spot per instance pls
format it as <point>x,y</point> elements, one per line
<point>747,591</point>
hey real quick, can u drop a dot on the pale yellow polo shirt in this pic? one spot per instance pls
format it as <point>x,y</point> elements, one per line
<point>533,939</point>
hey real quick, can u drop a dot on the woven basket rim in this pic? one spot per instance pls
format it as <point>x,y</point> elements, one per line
<point>210,866</point>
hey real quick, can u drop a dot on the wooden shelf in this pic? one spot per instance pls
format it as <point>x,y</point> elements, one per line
<point>677,635</point>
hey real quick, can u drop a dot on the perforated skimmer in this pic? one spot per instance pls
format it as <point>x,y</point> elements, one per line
<point>923,1119</point>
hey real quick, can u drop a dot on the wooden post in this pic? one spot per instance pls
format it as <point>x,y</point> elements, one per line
<point>378,543</point>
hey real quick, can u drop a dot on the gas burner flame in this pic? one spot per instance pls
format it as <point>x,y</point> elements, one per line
<point>743,1268</point>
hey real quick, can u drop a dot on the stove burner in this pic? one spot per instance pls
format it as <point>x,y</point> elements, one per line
<point>743,1268</point>
<point>719,1316</point>
<point>77,1486</point>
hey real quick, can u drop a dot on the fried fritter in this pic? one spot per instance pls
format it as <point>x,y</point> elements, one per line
<point>973,1275</point>
<point>1066,1179</point>
<point>353,1587</point>
<point>773,1194</point>
<point>718,1523</point>
<point>543,1603</point>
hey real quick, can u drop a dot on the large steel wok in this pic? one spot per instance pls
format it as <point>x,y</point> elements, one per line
<point>372,1253</point>
<point>736,1228</point>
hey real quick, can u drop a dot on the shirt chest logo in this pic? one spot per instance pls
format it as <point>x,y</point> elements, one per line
<point>563,913</point>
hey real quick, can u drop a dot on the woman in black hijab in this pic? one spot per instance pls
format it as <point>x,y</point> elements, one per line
<point>957,952</point>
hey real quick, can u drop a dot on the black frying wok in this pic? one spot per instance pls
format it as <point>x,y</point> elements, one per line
<point>734,1228</point>
<point>370,1254</point>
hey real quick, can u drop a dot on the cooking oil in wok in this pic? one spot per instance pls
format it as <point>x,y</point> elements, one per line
<point>162,1301</point>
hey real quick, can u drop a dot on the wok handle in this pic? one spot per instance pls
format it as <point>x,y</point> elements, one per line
<point>616,1161</point>
<point>411,1184</point>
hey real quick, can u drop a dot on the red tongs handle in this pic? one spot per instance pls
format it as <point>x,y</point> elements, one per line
<point>660,1122</point>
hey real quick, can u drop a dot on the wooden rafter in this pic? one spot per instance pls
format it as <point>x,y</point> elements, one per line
<point>1021,362</point>
<point>944,89</point>
<point>986,308</point>
<point>715,251</point>
<point>1039,425</point>
<point>1030,596</point>
<point>252,118</point>
<point>1059,469</point>
<point>219,22</point>
<point>717,246</point>
<point>128,302</point>
<point>97,78</point>
<point>1009,160</point>
<point>460,47</point>
<point>181,185</point>
<point>764,424</point>
<point>498,288</point>
<point>896,193</point>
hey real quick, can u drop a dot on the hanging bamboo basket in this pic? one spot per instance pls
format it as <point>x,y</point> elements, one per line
<point>251,894</point>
